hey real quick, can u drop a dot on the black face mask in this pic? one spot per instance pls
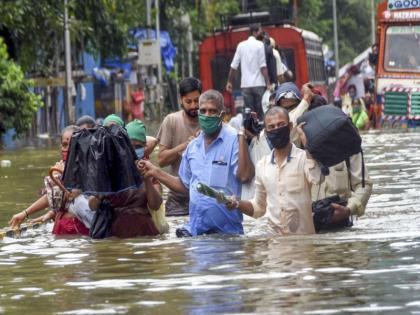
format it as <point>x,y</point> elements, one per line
<point>193,113</point>
<point>279,138</point>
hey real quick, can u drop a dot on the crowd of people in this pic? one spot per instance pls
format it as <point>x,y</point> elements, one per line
<point>258,161</point>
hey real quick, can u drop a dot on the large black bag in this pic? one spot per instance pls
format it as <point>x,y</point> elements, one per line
<point>101,161</point>
<point>102,221</point>
<point>322,214</point>
<point>332,136</point>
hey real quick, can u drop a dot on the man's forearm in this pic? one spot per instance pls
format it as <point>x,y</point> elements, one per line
<point>172,182</point>
<point>168,156</point>
<point>246,207</point>
<point>246,170</point>
<point>231,75</point>
<point>154,198</point>
<point>264,72</point>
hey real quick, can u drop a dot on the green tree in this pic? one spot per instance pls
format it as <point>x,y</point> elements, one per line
<point>17,103</point>
<point>100,27</point>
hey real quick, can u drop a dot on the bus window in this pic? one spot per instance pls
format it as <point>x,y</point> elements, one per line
<point>315,61</point>
<point>288,58</point>
<point>220,66</point>
<point>402,46</point>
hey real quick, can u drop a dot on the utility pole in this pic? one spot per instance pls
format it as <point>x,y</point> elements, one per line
<point>160,86</point>
<point>69,84</point>
<point>149,17</point>
<point>372,5</point>
<point>295,12</point>
<point>337,59</point>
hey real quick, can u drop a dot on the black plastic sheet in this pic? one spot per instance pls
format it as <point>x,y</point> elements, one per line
<point>101,161</point>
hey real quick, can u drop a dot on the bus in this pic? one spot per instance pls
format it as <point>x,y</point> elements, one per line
<point>301,52</point>
<point>397,85</point>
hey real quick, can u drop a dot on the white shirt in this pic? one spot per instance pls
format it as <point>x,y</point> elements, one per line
<point>338,183</point>
<point>259,146</point>
<point>237,121</point>
<point>284,192</point>
<point>281,68</point>
<point>250,55</point>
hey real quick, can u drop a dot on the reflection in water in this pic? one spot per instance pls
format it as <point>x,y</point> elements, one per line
<point>371,268</point>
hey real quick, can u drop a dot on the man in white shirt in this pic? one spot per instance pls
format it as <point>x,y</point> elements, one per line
<point>260,146</point>
<point>283,181</point>
<point>250,56</point>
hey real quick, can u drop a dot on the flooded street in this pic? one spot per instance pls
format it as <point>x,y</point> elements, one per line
<point>372,268</point>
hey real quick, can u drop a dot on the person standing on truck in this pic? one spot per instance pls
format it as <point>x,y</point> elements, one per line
<point>250,56</point>
<point>281,68</point>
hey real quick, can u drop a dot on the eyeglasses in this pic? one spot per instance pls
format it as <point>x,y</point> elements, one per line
<point>210,112</point>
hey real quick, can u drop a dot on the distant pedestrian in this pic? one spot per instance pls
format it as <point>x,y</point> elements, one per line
<point>270,59</point>
<point>250,56</point>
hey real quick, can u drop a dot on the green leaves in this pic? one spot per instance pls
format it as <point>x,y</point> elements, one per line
<point>17,103</point>
<point>354,24</point>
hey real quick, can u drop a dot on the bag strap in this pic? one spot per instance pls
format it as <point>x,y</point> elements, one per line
<point>363,171</point>
<point>319,186</point>
<point>348,173</point>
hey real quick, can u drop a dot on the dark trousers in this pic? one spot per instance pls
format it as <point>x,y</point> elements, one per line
<point>252,99</point>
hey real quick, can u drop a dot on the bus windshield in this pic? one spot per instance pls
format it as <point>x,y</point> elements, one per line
<point>402,48</point>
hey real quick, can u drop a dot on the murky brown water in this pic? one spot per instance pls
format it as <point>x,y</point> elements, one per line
<point>372,268</point>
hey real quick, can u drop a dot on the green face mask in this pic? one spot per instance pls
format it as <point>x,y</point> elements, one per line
<point>356,109</point>
<point>209,124</point>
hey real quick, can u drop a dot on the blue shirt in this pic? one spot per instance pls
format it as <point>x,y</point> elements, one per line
<point>217,168</point>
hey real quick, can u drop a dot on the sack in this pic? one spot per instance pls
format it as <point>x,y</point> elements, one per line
<point>101,161</point>
<point>322,214</point>
<point>102,221</point>
<point>159,219</point>
<point>331,135</point>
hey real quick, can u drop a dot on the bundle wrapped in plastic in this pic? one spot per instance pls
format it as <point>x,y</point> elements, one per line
<point>101,161</point>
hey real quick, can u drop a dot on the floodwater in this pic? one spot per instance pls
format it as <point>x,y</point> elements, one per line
<point>372,268</point>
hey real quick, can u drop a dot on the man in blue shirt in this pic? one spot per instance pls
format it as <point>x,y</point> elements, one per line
<point>213,158</point>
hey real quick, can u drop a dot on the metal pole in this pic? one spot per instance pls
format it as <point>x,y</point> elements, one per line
<point>69,83</point>
<point>158,40</point>
<point>295,12</point>
<point>149,17</point>
<point>337,59</point>
<point>160,87</point>
<point>372,4</point>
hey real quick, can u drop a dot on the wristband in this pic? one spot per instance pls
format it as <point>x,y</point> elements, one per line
<point>26,213</point>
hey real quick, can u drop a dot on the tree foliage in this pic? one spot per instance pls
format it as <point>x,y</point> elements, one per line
<point>17,103</point>
<point>97,26</point>
<point>101,26</point>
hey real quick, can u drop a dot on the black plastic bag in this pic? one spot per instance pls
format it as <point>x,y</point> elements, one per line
<point>322,214</point>
<point>331,135</point>
<point>101,161</point>
<point>102,221</point>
